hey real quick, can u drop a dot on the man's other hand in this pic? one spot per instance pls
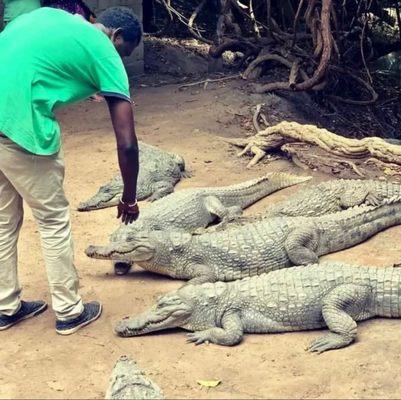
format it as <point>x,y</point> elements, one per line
<point>129,212</point>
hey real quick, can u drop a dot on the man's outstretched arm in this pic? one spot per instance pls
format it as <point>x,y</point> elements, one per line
<point>122,118</point>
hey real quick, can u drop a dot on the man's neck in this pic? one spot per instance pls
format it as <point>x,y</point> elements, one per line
<point>107,31</point>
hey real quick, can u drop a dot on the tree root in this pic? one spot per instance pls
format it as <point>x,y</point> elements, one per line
<point>286,135</point>
<point>241,45</point>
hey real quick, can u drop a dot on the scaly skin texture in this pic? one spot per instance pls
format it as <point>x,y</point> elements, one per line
<point>330,294</point>
<point>127,381</point>
<point>254,248</point>
<point>326,198</point>
<point>158,173</point>
<point>190,209</point>
<point>335,195</point>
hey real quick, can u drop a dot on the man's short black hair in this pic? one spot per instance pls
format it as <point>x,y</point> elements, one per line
<point>124,18</point>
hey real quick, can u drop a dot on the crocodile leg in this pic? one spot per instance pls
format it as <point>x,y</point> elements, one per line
<point>201,274</point>
<point>230,334</point>
<point>216,207</point>
<point>337,306</point>
<point>161,189</point>
<point>356,197</point>
<point>353,197</point>
<point>301,245</point>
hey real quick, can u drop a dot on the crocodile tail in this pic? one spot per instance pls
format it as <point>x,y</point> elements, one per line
<point>388,190</point>
<point>236,142</point>
<point>283,179</point>
<point>357,224</point>
<point>247,193</point>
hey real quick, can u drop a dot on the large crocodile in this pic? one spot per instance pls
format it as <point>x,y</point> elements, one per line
<point>326,198</point>
<point>330,294</point>
<point>335,195</point>
<point>190,209</point>
<point>159,172</point>
<point>254,248</point>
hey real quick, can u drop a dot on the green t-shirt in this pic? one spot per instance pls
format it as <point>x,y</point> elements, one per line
<point>15,8</point>
<point>49,59</point>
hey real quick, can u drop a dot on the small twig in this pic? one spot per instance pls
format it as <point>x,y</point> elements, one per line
<point>292,81</point>
<point>294,39</point>
<point>191,21</point>
<point>362,49</point>
<point>397,10</point>
<point>256,116</point>
<point>253,18</point>
<point>368,87</point>
<point>207,81</point>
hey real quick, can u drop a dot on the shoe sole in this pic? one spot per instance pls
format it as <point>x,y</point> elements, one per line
<point>32,314</point>
<point>67,332</point>
<point>122,269</point>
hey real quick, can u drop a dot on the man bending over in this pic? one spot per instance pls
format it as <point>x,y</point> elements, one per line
<point>49,59</point>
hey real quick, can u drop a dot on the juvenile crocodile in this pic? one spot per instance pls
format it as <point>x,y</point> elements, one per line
<point>159,172</point>
<point>330,294</point>
<point>251,249</point>
<point>127,381</point>
<point>189,209</point>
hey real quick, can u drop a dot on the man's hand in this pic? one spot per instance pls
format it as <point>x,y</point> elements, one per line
<point>129,212</point>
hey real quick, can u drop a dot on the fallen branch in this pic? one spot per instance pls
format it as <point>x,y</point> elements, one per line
<point>207,81</point>
<point>275,137</point>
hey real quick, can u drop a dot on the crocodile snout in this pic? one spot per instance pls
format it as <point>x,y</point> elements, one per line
<point>97,252</point>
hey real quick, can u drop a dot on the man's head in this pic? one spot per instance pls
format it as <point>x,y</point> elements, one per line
<point>123,28</point>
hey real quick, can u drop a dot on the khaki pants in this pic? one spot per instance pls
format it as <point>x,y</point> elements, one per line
<point>39,181</point>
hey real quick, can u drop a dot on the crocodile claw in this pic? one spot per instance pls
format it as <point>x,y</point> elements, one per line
<point>197,338</point>
<point>374,200</point>
<point>327,342</point>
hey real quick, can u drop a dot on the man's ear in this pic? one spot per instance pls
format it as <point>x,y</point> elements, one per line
<point>117,34</point>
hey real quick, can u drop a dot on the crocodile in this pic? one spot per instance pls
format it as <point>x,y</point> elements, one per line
<point>127,381</point>
<point>159,172</point>
<point>190,209</point>
<point>335,195</point>
<point>330,294</point>
<point>325,198</point>
<point>253,248</point>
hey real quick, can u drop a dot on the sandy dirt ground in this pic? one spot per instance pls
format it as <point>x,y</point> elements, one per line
<point>37,363</point>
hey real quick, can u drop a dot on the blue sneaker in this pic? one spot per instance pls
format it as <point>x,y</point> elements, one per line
<point>92,312</point>
<point>28,309</point>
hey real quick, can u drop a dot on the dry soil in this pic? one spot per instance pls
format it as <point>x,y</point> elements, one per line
<point>37,363</point>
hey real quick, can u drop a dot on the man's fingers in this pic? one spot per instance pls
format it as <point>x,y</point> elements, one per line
<point>127,213</point>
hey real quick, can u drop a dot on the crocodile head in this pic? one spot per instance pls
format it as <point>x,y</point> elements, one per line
<point>107,196</point>
<point>154,251</point>
<point>191,307</point>
<point>139,247</point>
<point>170,311</point>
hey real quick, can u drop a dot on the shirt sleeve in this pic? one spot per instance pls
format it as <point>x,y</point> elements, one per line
<point>111,78</point>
